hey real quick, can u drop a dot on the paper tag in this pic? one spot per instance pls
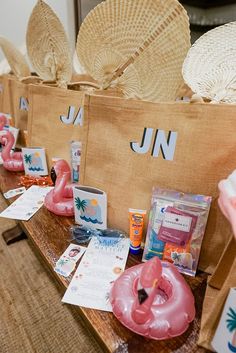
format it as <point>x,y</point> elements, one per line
<point>14,192</point>
<point>67,262</point>
<point>177,222</point>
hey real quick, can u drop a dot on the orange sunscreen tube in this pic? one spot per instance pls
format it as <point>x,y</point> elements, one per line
<point>136,223</point>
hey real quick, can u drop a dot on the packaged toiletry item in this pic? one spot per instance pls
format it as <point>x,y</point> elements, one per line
<point>76,148</point>
<point>176,227</point>
<point>136,223</point>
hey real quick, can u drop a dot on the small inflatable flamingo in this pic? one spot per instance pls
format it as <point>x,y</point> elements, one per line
<point>60,199</point>
<point>11,161</point>
<point>227,199</point>
<point>153,300</point>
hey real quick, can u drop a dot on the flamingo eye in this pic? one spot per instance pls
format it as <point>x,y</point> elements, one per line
<point>142,295</point>
<point>53,175</point>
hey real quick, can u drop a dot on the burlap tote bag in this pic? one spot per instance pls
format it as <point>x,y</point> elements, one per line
<point>7,101</point>
<point>55,119</point>
<point>20,107</point>
<point>1,92</point>
<point>134,145</point>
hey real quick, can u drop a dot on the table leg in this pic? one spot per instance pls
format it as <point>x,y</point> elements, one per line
<point>13,235</point>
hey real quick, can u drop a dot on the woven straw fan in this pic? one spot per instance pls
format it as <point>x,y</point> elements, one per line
<point>210,66</point>
<point>136,45</point>
<point>48,46</point>
<point>15,59</point>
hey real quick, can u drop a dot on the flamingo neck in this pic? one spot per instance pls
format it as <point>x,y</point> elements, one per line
<point>60,187</point>
<point>7,148</point>
<point>141,312</point>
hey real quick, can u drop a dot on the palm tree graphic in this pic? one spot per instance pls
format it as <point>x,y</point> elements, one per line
<point>28,158</point>
<point>231,326</point>
<point>80,204</point>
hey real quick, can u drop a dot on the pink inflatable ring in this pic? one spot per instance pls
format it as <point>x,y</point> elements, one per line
<point>153,300</point>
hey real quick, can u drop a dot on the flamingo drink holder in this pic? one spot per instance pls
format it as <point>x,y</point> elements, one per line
<point>60,199</point>
<point>11,161</point>
<point>153,300</point>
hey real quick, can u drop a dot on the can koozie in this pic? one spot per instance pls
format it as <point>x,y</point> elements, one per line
<point>90,206</point>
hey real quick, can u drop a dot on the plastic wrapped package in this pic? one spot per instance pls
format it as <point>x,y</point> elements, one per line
<point>176,227</point>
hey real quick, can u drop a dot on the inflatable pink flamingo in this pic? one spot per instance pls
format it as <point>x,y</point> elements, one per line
<point>227,199</point>
<point>11,161</point>
<point>60,199</point>
<point>153,300</point>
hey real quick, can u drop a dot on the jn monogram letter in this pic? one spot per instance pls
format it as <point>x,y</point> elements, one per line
<point>161,143</point>
<point>24,104</point>
<point>72,118</point>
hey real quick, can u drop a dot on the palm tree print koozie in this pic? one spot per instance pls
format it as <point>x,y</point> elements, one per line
<point>35,161</point>
<point>90,207</point>
<point>231,326</point>
<point>224,340</point>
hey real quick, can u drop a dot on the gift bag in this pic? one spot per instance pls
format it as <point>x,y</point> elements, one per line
<point>55,119</point>
<point>20,107</point>
<point>217,291</point>
<point>134,145</point>
<point>1,92</point>
<point>7,101</point>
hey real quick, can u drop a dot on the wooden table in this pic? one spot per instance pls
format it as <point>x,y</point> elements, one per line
<point>50,237</point>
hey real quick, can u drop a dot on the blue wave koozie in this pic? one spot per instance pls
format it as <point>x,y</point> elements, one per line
<point>90,207</point>
<point>34,159</point>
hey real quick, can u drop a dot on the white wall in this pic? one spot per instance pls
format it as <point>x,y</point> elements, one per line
<point>14,15</point>
<point>87,5</point>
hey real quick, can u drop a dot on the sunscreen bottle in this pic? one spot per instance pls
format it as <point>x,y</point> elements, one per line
<point>136,224</point>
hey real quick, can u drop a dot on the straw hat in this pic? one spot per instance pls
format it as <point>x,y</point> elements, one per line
<point>136,45</point>
<point>48,46</point>
<point>16,60</point>
<point>210,66</point>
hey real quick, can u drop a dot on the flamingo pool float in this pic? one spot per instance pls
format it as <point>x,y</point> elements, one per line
<point>11,161</point>
<point>60,199</point>
<point>153,300</point>
<point>227,199</point>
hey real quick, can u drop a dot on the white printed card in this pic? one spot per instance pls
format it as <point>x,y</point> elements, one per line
<point>100,266</point>
<point>27,204</point>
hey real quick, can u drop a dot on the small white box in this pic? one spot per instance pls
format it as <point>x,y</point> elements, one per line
<point>90,206</point>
